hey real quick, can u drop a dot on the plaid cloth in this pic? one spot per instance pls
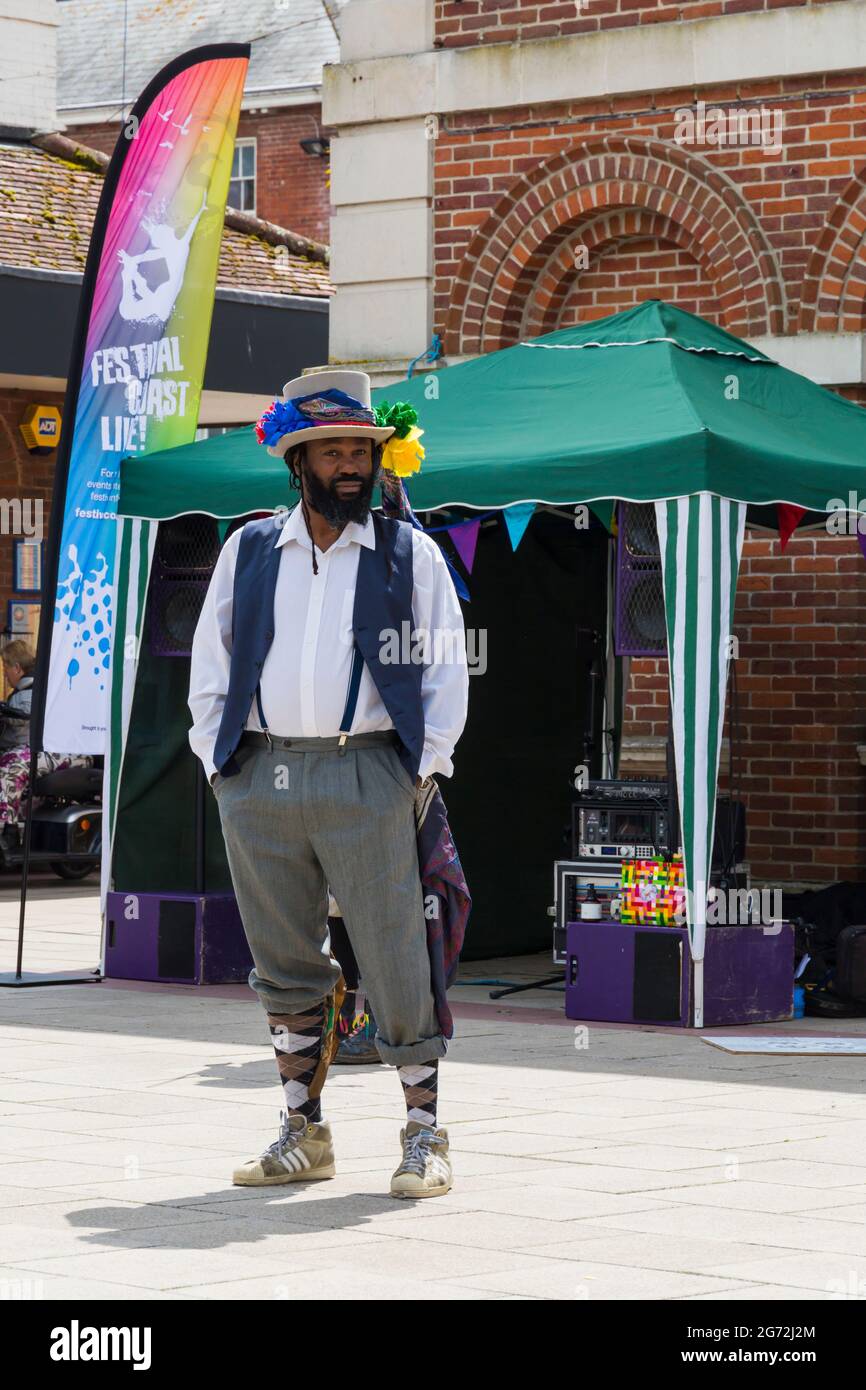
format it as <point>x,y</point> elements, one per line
<point>447,902</point>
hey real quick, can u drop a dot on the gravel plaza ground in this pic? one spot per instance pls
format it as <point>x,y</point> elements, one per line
<point>645,1165</point>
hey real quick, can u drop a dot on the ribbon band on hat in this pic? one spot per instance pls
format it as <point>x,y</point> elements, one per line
<point>322,410</point>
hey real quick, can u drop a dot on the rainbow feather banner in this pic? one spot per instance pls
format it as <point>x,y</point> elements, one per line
<point>137,366</point>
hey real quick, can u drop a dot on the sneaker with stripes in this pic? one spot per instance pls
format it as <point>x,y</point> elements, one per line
<point>303,1152</point>
<point>425,1170</point>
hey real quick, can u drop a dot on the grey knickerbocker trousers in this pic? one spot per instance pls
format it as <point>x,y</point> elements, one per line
<point>302,817</point>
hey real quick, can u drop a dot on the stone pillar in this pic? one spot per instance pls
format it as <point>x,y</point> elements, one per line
<point>381,189</point>
<point>28,65</point>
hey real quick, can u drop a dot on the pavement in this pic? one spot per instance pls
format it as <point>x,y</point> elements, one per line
<point>608,1164</point>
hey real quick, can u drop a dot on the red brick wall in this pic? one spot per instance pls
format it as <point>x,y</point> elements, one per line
<point>801,683</point>
<point>460,23</point>
<point>22,475</point>
<point>759,242</point>
<point>291,186</point>
<point>625,274</point>
<point>776,235</point>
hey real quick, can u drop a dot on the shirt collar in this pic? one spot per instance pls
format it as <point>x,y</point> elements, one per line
<point>295,529</point>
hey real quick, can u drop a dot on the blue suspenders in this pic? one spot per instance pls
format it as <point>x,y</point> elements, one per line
<point>351,696</point>
<point>348,712</point>
<point>261,713</point>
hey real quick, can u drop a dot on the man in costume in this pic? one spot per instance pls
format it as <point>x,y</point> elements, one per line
<point>319,726</point>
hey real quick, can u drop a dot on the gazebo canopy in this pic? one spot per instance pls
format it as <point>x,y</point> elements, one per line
<point>652,403</point>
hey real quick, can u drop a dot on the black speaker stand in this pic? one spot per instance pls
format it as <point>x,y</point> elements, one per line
<point>544,983</point>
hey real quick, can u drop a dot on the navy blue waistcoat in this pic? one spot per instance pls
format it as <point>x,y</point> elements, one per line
<point>383,601</point>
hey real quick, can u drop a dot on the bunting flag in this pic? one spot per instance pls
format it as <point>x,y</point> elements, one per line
<point>517,519</point>
<point>395,502</point>
<point>137,366</point>
<point>465,538</point>
<point>604,512</point>
<point>789,517</point>
<point>701,541</point>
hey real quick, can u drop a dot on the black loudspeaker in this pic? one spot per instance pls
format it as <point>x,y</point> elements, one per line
<point>658,977</point>
<point>183,938</point>
<point>639,629</point>
<point>175,943</point>
<point>187,549</point>
<point>729,843</point>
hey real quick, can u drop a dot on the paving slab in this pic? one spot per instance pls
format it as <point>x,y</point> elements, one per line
<point>641,1165</point>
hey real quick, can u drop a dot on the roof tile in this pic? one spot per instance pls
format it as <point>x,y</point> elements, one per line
<point>47,207</point>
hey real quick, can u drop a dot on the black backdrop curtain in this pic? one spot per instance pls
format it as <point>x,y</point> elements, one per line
<point>509,800</point>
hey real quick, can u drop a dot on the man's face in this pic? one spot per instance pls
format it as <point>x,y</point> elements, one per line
<point>338,478</point>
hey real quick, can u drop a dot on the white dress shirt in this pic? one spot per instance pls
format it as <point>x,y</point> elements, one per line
<point>305,677</point>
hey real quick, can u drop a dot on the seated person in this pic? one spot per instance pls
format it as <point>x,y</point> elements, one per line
<point>18,664</point>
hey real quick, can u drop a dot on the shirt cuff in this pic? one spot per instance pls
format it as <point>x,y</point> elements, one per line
<point>431,762</point>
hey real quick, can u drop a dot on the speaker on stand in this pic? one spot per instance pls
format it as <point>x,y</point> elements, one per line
<point>639,625</point>
<point>640,628</point>
<point>187,549</point>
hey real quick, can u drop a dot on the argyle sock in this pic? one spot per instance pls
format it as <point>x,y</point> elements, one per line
<point>297,1040</point>
<point>420,1087</point>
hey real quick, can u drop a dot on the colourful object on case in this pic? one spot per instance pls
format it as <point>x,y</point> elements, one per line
<point>653,892</point>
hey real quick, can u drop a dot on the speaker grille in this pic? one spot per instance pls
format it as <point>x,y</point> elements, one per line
<point>640,606</point>
<point>187,549</point>
<point>179,613</point>
<point>187,545</point>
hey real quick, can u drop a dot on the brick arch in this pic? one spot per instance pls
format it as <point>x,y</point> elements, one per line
<point>616,174</point>
<point>543,303</point>
<point>834,287</point>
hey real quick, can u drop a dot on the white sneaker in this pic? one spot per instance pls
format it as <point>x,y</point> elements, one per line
<point>303,1153</point>
<point>426,1167</point>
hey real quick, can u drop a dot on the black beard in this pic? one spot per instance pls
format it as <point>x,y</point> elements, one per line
<point>337,510</point>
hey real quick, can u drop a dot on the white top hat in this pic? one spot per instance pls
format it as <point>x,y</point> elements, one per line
<point>330,419</point>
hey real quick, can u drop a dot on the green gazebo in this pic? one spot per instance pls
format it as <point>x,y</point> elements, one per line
<point>651,405</point>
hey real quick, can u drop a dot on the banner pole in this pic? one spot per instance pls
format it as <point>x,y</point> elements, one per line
<point>25,867</point>
<point>114,175</point>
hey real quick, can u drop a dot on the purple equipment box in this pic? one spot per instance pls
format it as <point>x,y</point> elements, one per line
<point>633,974</point>
<point>179,938</point>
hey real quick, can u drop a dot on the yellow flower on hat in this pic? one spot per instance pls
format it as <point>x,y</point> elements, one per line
<point>404,456</point>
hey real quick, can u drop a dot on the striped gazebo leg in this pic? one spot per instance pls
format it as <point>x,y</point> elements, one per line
<point>701,540</point>
<point>136,540</point>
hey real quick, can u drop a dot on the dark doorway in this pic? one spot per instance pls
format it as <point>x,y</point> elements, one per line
<point>510,797</point>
